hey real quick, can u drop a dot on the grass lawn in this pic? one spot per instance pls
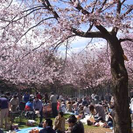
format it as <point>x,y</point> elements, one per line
<point>92,129</point>
<point>88,129</point>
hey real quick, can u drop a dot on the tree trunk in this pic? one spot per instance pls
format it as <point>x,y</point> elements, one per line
<point>122,121</point>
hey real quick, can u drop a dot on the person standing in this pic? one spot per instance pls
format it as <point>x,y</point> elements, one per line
<point>38,95</point>
<point>46,98</point>
<point>14,103</point>
<point>26,97</point>
<point>53,99</point>
<point>38,106</point>
<point>4,107</point>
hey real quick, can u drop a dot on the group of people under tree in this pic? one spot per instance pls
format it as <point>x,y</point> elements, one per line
<point>102,110</point>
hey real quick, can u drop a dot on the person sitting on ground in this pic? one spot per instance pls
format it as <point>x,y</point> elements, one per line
<point>29,105</point>
<point>63,107</point>
<point>69,106</point>
<point>110,116</point>
<point>84,103</point>
<point>47,127</point>
<point>86,110</point>
<point>75,109</point>
<point>75,126</point>
<point>59,124</point>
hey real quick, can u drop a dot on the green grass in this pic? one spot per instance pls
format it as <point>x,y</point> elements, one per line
<point>22,123</point>
<point>88,129</point>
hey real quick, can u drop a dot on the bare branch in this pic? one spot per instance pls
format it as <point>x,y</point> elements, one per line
<point>118,6</point>
<point>93,9</point>
<point>31,11</point>
<point>34,49</point>
<point>27,14</point>
<point>103,5</point>
<point>47,4</point>
<point>109,6</point>
<point>80,8</point>
<point>123,2</point>
<point>13,19</point>
<point>58,43</point>
<point>127,12</point>
<point>33,27</point>
<point>32,8</point>
<point>91,25</point>
<point>66,53</point>
<point>9,4</point>
<point>86,46</point>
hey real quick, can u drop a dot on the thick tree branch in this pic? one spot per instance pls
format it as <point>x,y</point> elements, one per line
<point>123,2</point>
<point>88,34</point>
<point>102,30</point>
<point>118,6</point>
<point>126,39</point>
<point>103,4</point>
<point>47,4</point>
<point>80,8</point>
<point>93,9</point>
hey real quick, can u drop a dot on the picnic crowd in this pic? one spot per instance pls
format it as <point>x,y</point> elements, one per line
<point>93,110</point>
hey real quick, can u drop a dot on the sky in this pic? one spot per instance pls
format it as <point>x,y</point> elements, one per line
<point>80,44</point>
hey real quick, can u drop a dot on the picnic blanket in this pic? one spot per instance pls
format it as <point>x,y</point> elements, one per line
<point>26,130</point>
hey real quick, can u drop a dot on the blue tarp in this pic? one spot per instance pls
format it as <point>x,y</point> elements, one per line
<point>26,130</point>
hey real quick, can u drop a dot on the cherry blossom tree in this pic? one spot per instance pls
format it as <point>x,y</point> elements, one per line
<point>24,66</point>
<point>60,20</point>
<point>85,70</point>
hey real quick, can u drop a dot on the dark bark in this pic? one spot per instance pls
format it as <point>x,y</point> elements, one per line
<point>122,119</point>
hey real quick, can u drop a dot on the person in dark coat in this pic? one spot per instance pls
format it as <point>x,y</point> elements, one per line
<point>47,127</point>
<point>75,126</point>
<point>98,110</point>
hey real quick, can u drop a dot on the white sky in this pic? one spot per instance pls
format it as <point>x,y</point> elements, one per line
<point>80,44</point>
